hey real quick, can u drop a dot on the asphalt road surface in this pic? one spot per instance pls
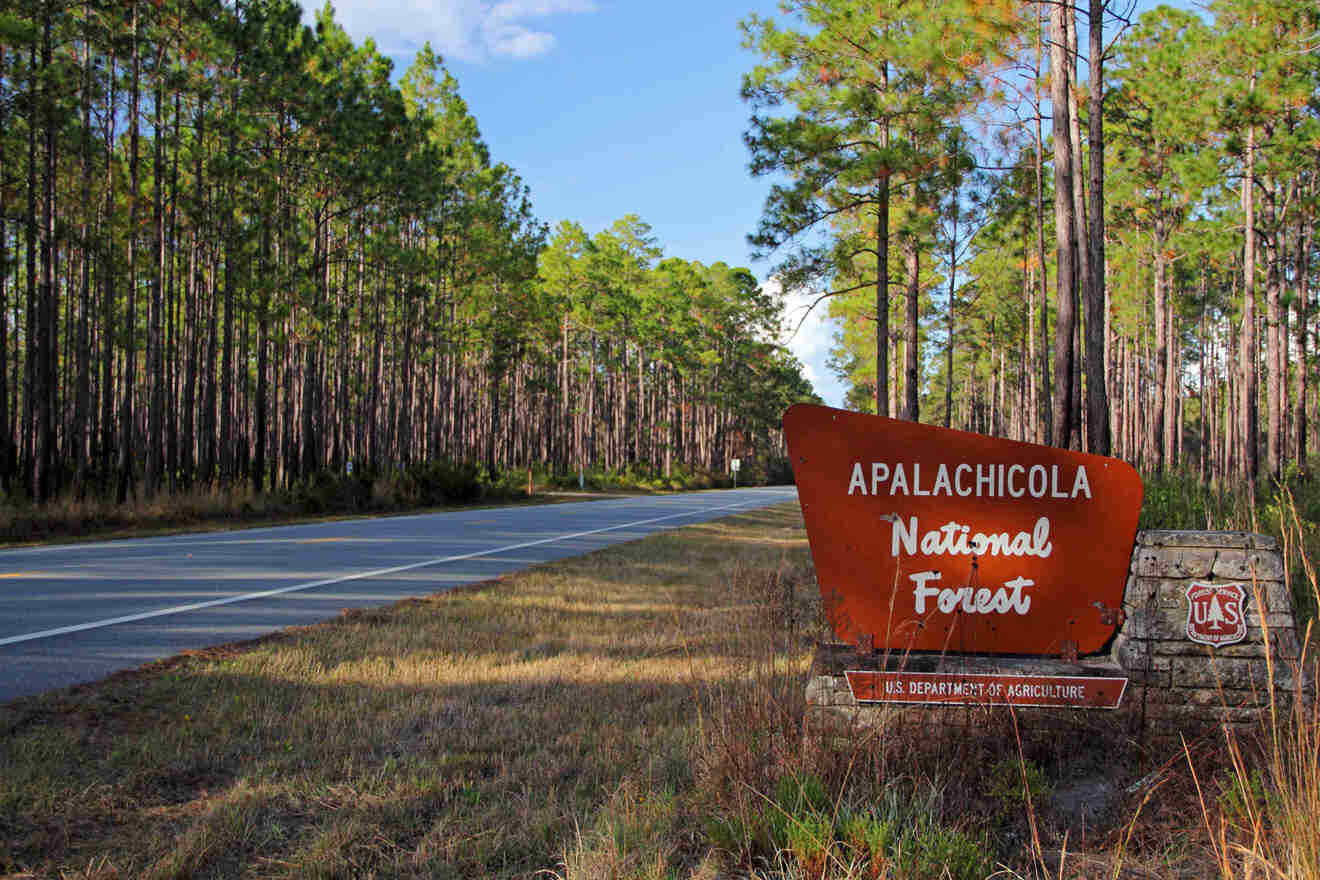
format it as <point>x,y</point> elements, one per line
<point>79,612</point>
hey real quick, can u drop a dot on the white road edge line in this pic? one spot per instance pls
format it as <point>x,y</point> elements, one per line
<point>244,597</point>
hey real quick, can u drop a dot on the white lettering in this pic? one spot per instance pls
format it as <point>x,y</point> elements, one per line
<point>1013,488</point>
<point>981,479</point>
<point>879,473</point>
<point>1036,491</point>
<point>1054,483</point>
<point>857,482</point>
<point>1040,536</point>
<point>923,592</point>
<point>970,600</point>
<point>1081,483</point>
<point>1021,604</point>
<point>957,479</point>
<point>907,536</point>
<point>948,600</point>
<point>900,479</point>
<point>916,479</point>
<point>942,479</point>
<point>955,539</point>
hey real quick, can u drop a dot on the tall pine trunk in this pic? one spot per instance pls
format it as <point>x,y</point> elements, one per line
<point>1249,456</point>
<point>106,280</point>
<point>155,359</point>
<point>225,440</point>
<point>80,439</point>
<point>1097,325</point>
<point>47,342</point>
<point>1306,239</point>
<point>1161,427</point>
<point>1044,427</point>
<point>1064,236</point>
<point>7,463</point>
<point>126,439</point>
<point>1081,265</point>
<point>949,320</point>
<point>6,430</point>
<point>1274,374</point>
<point>882,267</point>
<point>911,402</point>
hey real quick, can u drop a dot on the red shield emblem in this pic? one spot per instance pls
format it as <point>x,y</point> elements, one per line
<point>1216,613</point>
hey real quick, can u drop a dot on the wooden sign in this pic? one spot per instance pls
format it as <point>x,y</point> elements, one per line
<point>928,539</point>
<point>987,690</point>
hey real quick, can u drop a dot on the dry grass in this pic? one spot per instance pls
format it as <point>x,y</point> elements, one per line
<point>473,733</point>
<point>1267,824</point>
<point>68,518</point>
<point>637,713</point>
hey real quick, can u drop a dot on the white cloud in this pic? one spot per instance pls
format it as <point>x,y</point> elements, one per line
<point>812,340</point>
<point>520,42</point>
<point>469,30</point>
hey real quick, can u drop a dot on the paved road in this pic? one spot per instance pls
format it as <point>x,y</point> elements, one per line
<point>76,613</point>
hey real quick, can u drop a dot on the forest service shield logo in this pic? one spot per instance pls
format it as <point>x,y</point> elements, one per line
<point>1216,614</point>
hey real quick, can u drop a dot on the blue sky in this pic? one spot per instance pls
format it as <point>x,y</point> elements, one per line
<point>607,108</point>
<point>604,108</point>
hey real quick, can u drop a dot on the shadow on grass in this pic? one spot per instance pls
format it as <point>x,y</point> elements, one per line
<point>467,734</point>
<point>216,772</point>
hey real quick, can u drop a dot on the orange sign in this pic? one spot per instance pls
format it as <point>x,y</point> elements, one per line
<point>929,539</point>
<point>987,690</point>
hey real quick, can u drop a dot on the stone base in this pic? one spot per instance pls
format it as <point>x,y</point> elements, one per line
<point>1182,683</point>
<point>1176,685</point>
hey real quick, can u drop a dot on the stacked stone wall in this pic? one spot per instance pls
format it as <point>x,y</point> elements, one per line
<point>1175,679</point>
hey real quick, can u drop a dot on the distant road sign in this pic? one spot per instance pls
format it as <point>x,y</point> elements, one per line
<point>736,464</point>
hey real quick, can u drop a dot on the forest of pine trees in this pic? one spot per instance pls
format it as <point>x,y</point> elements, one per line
<point>1011,250</point>
<point>238,250</point>
<point>234,250</point>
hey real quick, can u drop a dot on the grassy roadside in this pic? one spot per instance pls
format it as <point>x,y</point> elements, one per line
<point>468,734</point>
<point>418,488</point>
<point>205,510</point>
<point>635,713</point>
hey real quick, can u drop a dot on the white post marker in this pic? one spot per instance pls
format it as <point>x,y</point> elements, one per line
<point>735,465</point>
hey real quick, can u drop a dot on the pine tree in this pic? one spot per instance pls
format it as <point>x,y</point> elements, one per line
<point>867,90</point>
